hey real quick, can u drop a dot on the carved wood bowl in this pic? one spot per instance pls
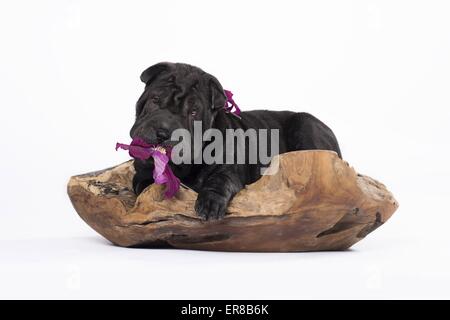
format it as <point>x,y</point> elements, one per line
<point>315,201</point>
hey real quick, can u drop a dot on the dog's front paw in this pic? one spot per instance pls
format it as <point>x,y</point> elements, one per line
<point>211,205</point>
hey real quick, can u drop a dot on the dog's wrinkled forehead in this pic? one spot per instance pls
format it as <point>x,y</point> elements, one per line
<point>184,79</point>
<point>179,76</point>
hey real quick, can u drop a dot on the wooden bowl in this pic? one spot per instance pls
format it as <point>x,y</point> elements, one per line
<point>314,201</point>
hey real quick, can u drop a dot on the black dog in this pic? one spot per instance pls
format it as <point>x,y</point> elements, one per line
<point>178,94</point>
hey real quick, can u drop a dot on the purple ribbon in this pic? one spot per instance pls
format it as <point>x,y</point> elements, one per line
<point>230,104</point>
<point>162,174</point>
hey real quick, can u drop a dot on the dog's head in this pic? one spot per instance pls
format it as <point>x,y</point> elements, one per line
<point>175,96</point>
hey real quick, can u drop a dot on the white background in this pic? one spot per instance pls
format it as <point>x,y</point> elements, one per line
<point>377,72</point>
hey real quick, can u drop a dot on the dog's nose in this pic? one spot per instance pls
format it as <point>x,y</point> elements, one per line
<point>162,135</point>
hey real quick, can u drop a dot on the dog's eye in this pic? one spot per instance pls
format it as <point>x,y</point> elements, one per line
<point>156,99</point>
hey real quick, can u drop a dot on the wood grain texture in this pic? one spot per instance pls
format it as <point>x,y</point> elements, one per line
<point>314,202</point>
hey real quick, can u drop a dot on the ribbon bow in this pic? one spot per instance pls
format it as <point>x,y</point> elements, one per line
<point>230,104</point>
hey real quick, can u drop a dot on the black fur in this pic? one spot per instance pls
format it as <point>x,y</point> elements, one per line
<point>177,94</point>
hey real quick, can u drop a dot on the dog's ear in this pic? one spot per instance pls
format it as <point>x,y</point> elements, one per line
<point>152,72</point>
<point>217,95</point>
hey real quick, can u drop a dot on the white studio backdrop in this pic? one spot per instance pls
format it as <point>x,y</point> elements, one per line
<point>377,72</point>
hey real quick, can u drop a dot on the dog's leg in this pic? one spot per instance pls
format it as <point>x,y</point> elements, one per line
<point>306,132</point>
<point>139,184</point>
<point>219,186</point>
<point>143,177</point>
